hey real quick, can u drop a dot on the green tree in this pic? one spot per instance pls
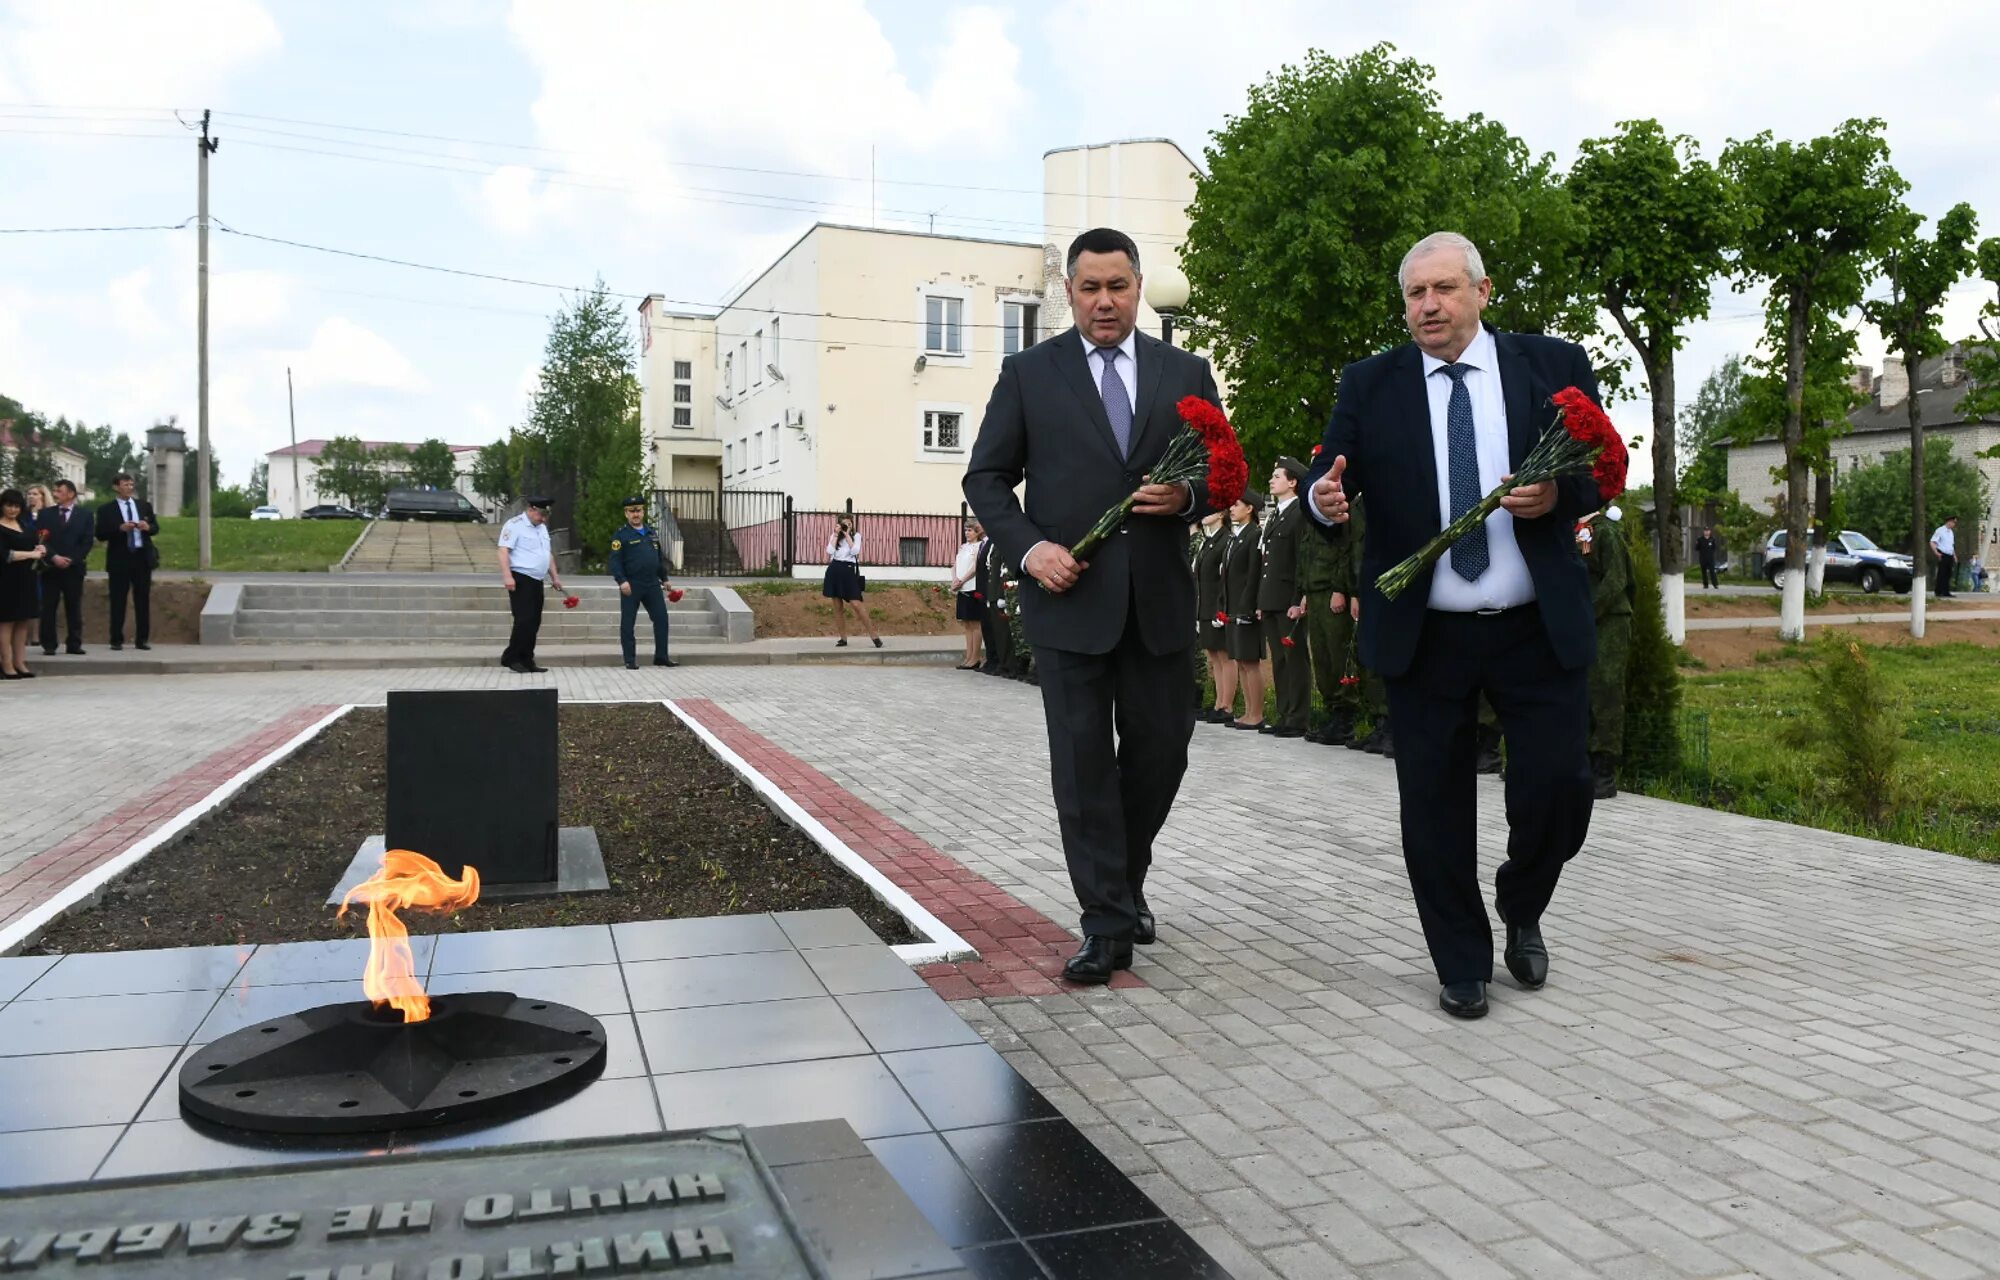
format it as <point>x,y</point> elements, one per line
<point>259,488</point>
<point>433,464</point>
<point>1656,219</point>
<point>1875,497</point>
<point>1315,191</point>
<point>1709,425</point>
<point>34,462</point>
<point>1817,216</point>
<point>348,469</point>
<point>1652,669</point>
<point>617,472</point>
<point>1982,358</point>
<point>493,473</point>
<point>583,419</point>
<point>191,482</point>
<point>1920,272</point>
<point>233,503</point>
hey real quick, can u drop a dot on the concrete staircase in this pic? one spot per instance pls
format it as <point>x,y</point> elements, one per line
<point>356,611</point>
<point>424,546</point>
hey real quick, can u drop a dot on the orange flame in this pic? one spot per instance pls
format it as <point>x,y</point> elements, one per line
<point>406,880</point>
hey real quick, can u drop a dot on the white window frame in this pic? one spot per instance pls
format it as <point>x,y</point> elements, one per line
<point>728,375</point>
<point>684,411</point>
<point>772,458</point>
<point>679,376</point>
<point>968,322</point>
<point>757,364</point>
<point>757,451</point>
<point>1010,311</point>
<point>934,454</point>
<point>742,455</point>
<point>729,458</point>
<point>777,348</point>
<point>743,358</point>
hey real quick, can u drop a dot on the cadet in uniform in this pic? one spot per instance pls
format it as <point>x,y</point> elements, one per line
<point>525,562</point>
<point>1613,591</point>
<point>1326,633</point>
<point>1239,598</point>
<point>1370,694</point>
<point>1279,603</point>
<point>1211,619</point>
<point>639,567</point>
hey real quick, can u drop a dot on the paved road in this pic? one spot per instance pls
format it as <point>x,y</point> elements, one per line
<point>1763,1051</point>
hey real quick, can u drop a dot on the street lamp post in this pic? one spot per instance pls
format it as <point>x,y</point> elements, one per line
<point>1167,293</point>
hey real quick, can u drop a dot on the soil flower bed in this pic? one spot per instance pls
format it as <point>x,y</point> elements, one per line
<point>682,836</point>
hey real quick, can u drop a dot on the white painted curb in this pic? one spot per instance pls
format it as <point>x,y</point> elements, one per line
<point>943,944</point>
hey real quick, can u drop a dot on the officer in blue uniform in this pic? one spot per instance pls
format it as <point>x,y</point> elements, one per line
<point>639,567</point>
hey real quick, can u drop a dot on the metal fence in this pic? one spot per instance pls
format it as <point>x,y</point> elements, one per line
<point>898,539</point>
<point>756,532</point>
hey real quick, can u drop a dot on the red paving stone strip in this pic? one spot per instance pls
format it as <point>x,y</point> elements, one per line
<point>1021,951</point>
<point>24,887</point>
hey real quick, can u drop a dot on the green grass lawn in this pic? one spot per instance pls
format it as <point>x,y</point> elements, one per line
<point>1951,756</point>
<point>269,545</point>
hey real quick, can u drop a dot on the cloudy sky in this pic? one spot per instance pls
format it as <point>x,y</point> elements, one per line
<point>675,147</point>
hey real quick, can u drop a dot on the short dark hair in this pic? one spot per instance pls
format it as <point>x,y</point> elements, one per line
<point>1100,240</point>
<point>66,484</point>
<point>122,477</point>
<point>13,498</point>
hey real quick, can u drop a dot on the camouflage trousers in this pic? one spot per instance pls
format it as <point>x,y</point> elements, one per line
<point>1607,685</point>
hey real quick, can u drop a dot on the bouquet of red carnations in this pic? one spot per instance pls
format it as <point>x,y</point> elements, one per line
<point>1586,441</point>
<point>1205,445</point>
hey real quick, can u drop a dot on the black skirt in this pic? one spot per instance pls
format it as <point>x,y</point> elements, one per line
<point>970,610</point>
<point>1246,640</point>
<point>843,581</point>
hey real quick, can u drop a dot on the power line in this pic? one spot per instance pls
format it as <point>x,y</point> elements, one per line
<point>48,231</point>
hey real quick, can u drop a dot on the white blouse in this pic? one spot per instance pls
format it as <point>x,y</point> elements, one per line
<point>849,551</point>
<point>968,562</point>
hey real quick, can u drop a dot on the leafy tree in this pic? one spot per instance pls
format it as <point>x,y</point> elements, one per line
<point>34,462</point>
<point>617,472</point>
<point>583,419</point>
<point>1315,191</point>
<point>233,503</point>
<point>433,464</point>
<point>1876,496</point>
<point>1920,273</point>
<point>1656,221</point>
<point>1652,669</point>
<point>348,469</point>
<point>259,489</point>
<point>1982,359</point>
<point>1817,215</point>
<point>106,453</point>
<point>493,473</point>
<point>191,483</point>
<point>1708,426</point>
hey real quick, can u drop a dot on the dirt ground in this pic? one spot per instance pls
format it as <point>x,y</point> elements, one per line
<point>1765,605</point>
<point>1723,650</point>
<point>789,609</point>
<point>176,609</point>
<point>688,839</point>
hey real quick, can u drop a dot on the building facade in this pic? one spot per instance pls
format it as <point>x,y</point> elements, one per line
<point>1881,427</point>
<point>69,464</point>
<point>292,496</point>
<point>853,371</point>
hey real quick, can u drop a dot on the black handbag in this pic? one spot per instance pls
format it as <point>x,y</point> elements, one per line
<point>861,582</point>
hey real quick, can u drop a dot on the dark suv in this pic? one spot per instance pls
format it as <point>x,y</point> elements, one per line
<point>1850,557</point>
<point>430,504</point>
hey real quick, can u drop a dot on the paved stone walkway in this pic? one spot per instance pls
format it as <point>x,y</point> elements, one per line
<point>1764,1051</point>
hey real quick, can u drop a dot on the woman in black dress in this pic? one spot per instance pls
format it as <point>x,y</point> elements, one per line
<point>1211,619</point>
<point>843,579</point>
<point>1241,570</point>
<point>19,612</point>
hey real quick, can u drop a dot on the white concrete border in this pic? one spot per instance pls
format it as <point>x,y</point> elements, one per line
<point>942,943</point>
<point>84,889</point>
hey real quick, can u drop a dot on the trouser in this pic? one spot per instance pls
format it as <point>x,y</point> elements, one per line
<point>136,576</point>
<point>1709,577</point>
<point>992,636</point>
<point>1330,634</point>
<point>66,586</point>
<point>1544,711</point>
<point>1607,685</point>
<point>654,600</point>
<point>1947,570</point>
<point>525,603</point>
<point>1118,748</point>
<point>1291,672</point>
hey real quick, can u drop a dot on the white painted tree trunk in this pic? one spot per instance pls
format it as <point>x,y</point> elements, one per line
<point>1816,571</point>
<point>1919,585</point>
<point>1792,614</point>
<point>1673,599</point>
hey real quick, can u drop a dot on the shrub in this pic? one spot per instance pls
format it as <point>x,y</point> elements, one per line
<point>1854,728</point>
<point>1652,671</point>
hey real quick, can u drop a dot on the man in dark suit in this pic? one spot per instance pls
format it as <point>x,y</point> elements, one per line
<point>993,632</point>
<point>1281,604</point>
<point>1081,417</point>
<point>1704,550</point>
<point>1426,430</point>
<point>125,525</point>
<point>71,537</point>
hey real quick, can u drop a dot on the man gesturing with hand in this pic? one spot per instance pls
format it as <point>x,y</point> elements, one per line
<point>1080,418</point>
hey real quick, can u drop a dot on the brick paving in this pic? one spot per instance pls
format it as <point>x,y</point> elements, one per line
<point>1763,1050</point>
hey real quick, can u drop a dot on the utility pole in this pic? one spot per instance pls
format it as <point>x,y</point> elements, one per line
<point>292,413</point>
<point>204,147</point>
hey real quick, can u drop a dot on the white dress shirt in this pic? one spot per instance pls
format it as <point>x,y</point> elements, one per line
<point>1945,540</point>
<point>1506,582</point>
<point>129,510</point>
<point>966,566</point>
<point>527,546</point>
<point>848,550</point>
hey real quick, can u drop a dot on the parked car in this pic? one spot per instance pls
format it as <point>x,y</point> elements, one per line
<point>430,504</point>
<point>266,513</point>
<point>1850,557</point>
<point>330,511</point>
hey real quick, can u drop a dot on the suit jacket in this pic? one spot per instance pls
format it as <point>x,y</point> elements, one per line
<point>1382,425</point>
<point>1209,554</point>
<point>1240,568</point>
<point>72,538</point>
<point>1046,424</point>
<point>1278,589</point>
<point>116,541</point>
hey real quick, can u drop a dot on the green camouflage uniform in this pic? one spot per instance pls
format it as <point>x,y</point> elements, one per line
<point>1349,580</point>
<point>1613,592</point>
<point>1326,632</point>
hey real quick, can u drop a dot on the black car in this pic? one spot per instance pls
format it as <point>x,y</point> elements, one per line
<point>330,511</point>
<point>1850,557</point>
<point>430,504</point>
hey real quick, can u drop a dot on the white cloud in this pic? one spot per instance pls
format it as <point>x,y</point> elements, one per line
<point>343,354</point>
<point>119,52</point>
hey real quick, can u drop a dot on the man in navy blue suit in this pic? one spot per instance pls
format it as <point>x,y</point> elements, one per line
<point>1426,430</point>
<point>72,533</point>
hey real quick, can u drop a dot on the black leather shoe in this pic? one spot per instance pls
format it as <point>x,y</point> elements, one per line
<point>1247,726</point>
<point>142,645</point>
<point>1098,959</point>
<point>518,668</point>
<point>48,653</point>
<point>1143,934</point>
<point>1226,719</point>
<point>631,666</point>
<point>117,648</point>
<point>76,649</point>
<point>1527,955</point>
<point>665,662</point>
<point>532,669</point>
<point>1463,999</point>
<point>1288,733</point>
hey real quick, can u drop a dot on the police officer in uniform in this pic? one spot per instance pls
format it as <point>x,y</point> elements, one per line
<point>1280,604</point>
<point>639,567</point>
<point>1613,592</point>
<point>527,565</point>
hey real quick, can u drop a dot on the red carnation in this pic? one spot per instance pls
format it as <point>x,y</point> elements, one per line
<point>571,602</point>
<point>675,594</point>
<point>1316,450</point>
<point>1350,679</point>
<point>1588,424</point>
<point>979,595</point>
<point>1288,642</point>
<point>1220,616</point>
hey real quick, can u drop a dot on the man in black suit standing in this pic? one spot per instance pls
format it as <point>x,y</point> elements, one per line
<point>71,536</point>
<point>1426,430</point>
<point>1081,417</point>
<point>125,525</point>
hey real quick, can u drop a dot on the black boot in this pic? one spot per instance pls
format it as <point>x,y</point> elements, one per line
<point>1603,775</point>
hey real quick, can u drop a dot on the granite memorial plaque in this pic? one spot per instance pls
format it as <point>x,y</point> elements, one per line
<point>699,1203</point>
<point>472,778</point>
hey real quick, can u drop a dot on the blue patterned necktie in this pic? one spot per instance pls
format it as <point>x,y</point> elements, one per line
<point>1468,554</point>
<point>1117,405</point>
